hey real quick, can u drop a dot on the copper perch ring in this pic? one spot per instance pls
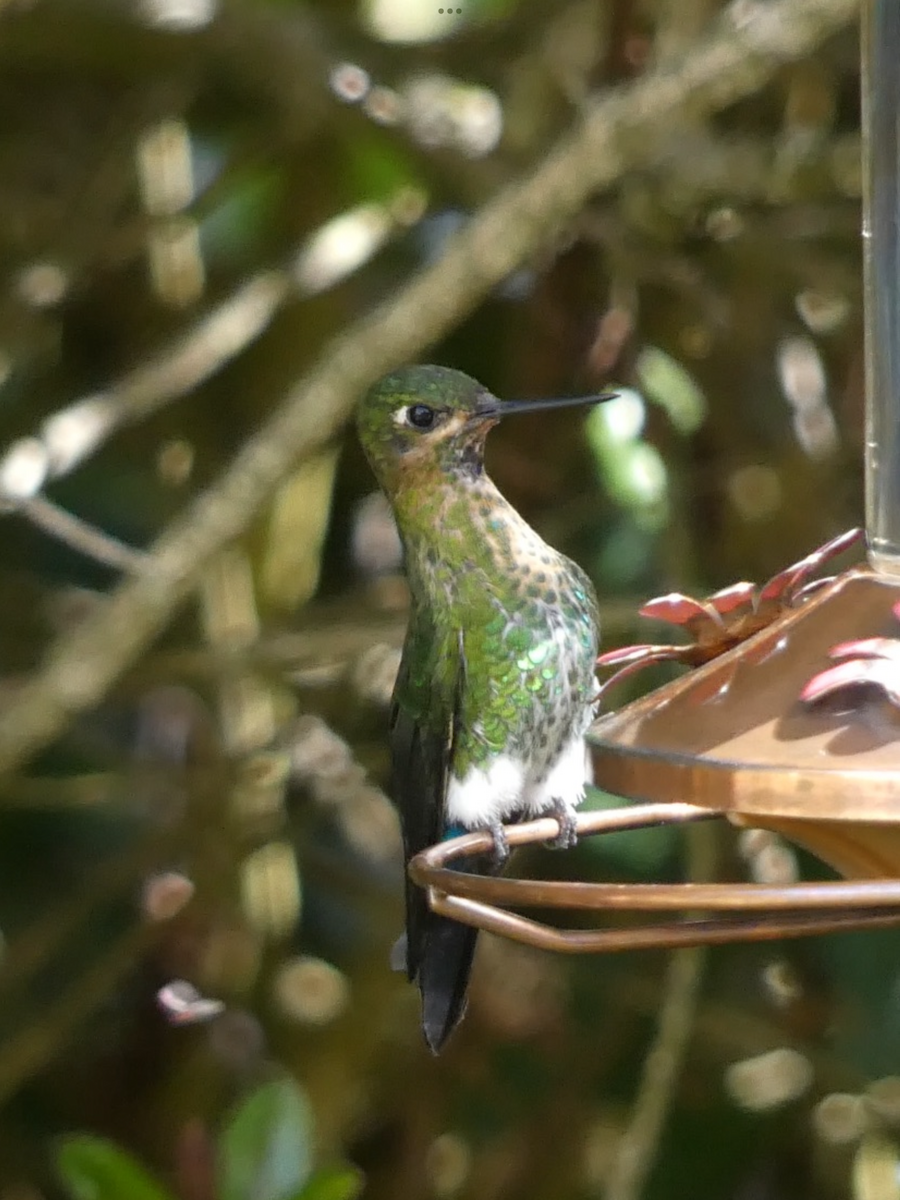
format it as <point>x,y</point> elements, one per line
<point>744,912</point>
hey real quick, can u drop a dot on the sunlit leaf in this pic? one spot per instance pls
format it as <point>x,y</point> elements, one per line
<point>377,169</point>
<point>334,1183</point>
<point>667,383</point>
<point>93,1168</point>
<point>264,1151</point>
<point>638,477</point>
<point>633,470</point>
<point>620,420</point>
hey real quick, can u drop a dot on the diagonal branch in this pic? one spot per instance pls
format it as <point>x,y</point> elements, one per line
<point>615,135</point>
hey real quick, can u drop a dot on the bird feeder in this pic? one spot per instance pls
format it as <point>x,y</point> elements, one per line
<point>790,719</point>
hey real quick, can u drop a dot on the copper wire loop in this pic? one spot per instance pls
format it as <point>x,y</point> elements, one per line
<point>751,911</point>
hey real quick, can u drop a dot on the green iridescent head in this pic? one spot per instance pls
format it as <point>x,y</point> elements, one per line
<point>434,419</point>
<point>423,415</point>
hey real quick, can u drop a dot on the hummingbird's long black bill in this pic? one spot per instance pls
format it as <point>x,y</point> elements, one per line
<point>504,408</point>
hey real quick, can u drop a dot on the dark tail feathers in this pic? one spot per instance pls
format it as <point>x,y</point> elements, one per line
<point>443,977</point>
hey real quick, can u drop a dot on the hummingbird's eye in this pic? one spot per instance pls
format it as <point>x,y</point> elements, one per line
<point>420,416</point>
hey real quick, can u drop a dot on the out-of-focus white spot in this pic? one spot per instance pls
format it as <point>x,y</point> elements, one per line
<point>724,224</point>
<point>270,889</point>
<point>341,247</point>
<point>840,1118</point>
<point>441,111</point>
<point>180,16</point>
<point>876,1169</point>
<point>184,1005</point>
<point>165,169</point>
<point>349,82</point>
<point>71,434</point>
<point>781,983</point>
<point>384,106</point>
<point>801,372</point>
<point>410,20</point>
<point>23,469</point>
<point>822,312</point>
<point>166,178</point>
<point>751,841</point>
<point>42,284</point>
<point>769,1080</point>
<point>310,990</point>
<point>804,383</point>
<point>755,491</point>
<point>768,857</point>
<point>816,431</point>
<point>622,419</point>
<point>775,864</point>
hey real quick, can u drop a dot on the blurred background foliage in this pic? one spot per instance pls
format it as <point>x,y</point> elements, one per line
<point>195,196</point>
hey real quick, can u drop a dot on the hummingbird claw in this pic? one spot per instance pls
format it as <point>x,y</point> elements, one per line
<point>501,843</point>
<point>568,828</point>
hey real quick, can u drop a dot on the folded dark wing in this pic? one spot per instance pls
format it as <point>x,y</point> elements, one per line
<point>423,725</point>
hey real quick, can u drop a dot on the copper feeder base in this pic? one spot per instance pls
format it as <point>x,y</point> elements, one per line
<point>733,736</point>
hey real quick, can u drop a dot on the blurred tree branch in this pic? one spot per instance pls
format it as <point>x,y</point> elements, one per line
<point>79,535</point>
<point>698,169</point>
<point>29,1049</point>
<point>617,133</point>
<point>639,1143</point>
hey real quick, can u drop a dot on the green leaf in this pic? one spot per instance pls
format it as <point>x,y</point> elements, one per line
<point>334,1183</point>
<point>264,1151</point>
<point>632,470</point>
<point>671,386</point>
<point>377,169</point>
<point>638,478</point>
<point>640,850</point>
<point>93,1168</point>
<point>232,232</point>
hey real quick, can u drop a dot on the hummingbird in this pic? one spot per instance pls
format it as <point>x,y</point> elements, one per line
<point>496,686</point>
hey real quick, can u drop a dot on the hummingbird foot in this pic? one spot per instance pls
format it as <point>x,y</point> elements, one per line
<point>568,828</point>
<point>501,843</point>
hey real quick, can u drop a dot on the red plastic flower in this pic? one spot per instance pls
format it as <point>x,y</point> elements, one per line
<point>727,617</point>
<point>874,661</point>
